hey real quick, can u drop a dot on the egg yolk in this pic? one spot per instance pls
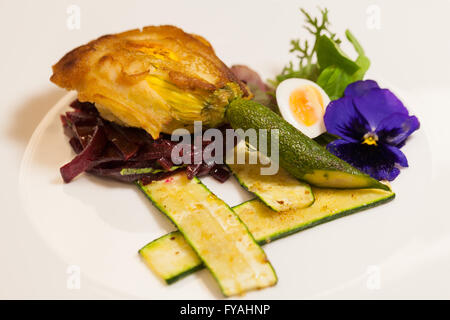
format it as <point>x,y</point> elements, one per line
<point>306,104</point>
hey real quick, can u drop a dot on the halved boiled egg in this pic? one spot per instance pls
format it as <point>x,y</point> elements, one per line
<point>302,103</point>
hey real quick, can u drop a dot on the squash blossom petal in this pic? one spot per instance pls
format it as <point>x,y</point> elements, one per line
<point>373,124</point>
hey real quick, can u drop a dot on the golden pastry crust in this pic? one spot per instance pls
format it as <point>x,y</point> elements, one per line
<point>143,78</point>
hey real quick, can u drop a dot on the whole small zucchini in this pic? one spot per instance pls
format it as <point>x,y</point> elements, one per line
<point>299,155</point>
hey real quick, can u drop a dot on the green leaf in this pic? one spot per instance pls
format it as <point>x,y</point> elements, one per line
<point>362,61</point>
<point>358,48</point>
<point>334,80</point>
<point>329,54</point>
<point>364,64</point>
<point>336,74</point>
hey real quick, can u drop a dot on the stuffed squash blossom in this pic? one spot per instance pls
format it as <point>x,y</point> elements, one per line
<point>158,79</point>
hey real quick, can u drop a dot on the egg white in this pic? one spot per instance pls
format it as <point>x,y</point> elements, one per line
<point>283,93</point>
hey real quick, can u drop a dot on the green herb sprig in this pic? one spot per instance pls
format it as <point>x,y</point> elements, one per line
<point>306,67</point>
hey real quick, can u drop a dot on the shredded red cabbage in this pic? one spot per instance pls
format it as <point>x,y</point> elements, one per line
<point>104,149</point>
<point>84,160</point>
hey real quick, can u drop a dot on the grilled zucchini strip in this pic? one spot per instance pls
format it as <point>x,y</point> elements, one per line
<point>280,192</point>
<point>214,232</point>
<point>265,225</point>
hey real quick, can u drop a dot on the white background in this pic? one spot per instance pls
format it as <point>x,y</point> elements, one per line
<point>411,51</point>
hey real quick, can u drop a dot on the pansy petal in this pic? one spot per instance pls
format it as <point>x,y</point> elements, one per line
<point>360,88</point>
<point>376,161</point>
<point>342,119</point>
<point>388,173</point>
<point>336,144</point>
<point>400,157</point>
<point>377,104</point>
<point>396,128</point>
<point>343,149</point>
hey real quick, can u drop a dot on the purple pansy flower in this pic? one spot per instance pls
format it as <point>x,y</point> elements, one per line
<point>373,124</point>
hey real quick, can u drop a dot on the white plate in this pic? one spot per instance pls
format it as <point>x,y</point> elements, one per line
<point>98,225</point>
